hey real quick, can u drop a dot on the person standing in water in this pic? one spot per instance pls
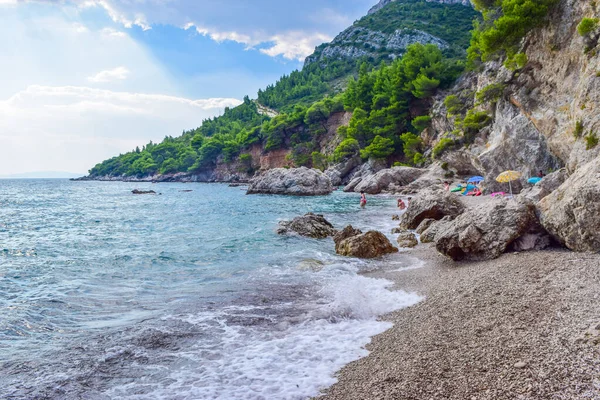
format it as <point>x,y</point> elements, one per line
<point>363,199</point>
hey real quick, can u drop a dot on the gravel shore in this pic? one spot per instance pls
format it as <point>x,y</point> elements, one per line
<point>524,326</point>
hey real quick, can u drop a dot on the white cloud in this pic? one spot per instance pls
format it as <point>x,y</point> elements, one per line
<point>71,128</point>
<point>117,16</point>
<point>110,75</point>
<point>295,45</point>
<point>112,33</point>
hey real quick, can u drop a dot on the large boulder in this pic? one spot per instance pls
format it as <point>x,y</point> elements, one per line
<point>428,235</point>
<point>572,212</point>
<point>295,181</point>
<point>549,184</point>
<point>389,179</point>
<point>353,243</point>
<point>407,240</point>
<point>486,231</point>
<point>431,203</point>
<point>309,225</point>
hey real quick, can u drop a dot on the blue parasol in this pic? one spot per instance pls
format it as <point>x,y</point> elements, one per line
<point>476,179</point>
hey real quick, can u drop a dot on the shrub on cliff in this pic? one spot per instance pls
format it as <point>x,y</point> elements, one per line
<point>587,26</point>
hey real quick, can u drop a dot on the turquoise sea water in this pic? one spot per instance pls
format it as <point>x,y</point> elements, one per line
<point>183,295</point>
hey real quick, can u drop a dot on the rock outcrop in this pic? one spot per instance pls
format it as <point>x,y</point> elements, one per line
<point>486,232</point>
<point>309,225</point>
<point>433,204</point>
<point>353,243</point>
<point>294,181</point>
<point>571,214</point>
<point>338,173</point>
<point>388,180</point>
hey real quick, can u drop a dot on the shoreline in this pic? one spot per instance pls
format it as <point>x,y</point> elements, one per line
<point>523,326</point>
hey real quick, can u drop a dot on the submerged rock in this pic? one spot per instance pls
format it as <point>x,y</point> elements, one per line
<point>309,225</point>
<point>486,231</point>
<point>353,243</point>
<point>431,204</point>
<point>137,191</point>
<point>295,181</point>
<point>572,212</point>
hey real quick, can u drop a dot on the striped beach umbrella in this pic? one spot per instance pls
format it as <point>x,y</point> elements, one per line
<point>508,177</point>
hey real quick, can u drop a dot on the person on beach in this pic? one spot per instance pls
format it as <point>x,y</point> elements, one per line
<point>408,201</point>
<point>541,174</point>
<point>401,204</point>
<point>446,186</point>
<point>363,199</point>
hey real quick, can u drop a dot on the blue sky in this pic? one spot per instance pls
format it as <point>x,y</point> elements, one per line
<point>84,80</point>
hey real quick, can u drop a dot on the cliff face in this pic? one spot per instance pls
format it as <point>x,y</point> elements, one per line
<point>535,119</point>
<point>392,25</point>
<point>357,42</point>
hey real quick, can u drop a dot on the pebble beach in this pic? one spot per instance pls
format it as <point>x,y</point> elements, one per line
<point>524,326</point>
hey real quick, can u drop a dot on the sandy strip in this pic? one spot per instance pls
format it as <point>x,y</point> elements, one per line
<point>512,328</point>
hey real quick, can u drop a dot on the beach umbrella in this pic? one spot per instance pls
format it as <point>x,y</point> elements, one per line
<point>476,179</point>
<point>534,180</point>
<point>508,177</point>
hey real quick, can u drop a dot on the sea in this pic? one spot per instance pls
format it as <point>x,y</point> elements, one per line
<point>186,294</point>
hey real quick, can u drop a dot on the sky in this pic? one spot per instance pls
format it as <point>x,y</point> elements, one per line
<point>85,80</point>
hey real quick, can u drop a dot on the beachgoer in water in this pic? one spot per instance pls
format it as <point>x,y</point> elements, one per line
<point>363,199</point>
<point>401,204</point>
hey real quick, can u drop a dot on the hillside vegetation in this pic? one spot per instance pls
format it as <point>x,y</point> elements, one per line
<point>389,101</point>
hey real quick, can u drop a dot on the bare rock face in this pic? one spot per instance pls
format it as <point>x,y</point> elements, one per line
<point>407,240</point>
<point>431,203</point>
<point>388,180</point>
<point>485,232</point>
<point>353,243</point>
<point>572,212</point>
<point>295,181</point>
<point>309,225</point>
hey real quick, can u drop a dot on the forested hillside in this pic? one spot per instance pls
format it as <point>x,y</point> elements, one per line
<point>389,97</point>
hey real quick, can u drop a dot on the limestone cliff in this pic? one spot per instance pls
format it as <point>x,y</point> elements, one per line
<point>388,29</point>
<point>535,118</point>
